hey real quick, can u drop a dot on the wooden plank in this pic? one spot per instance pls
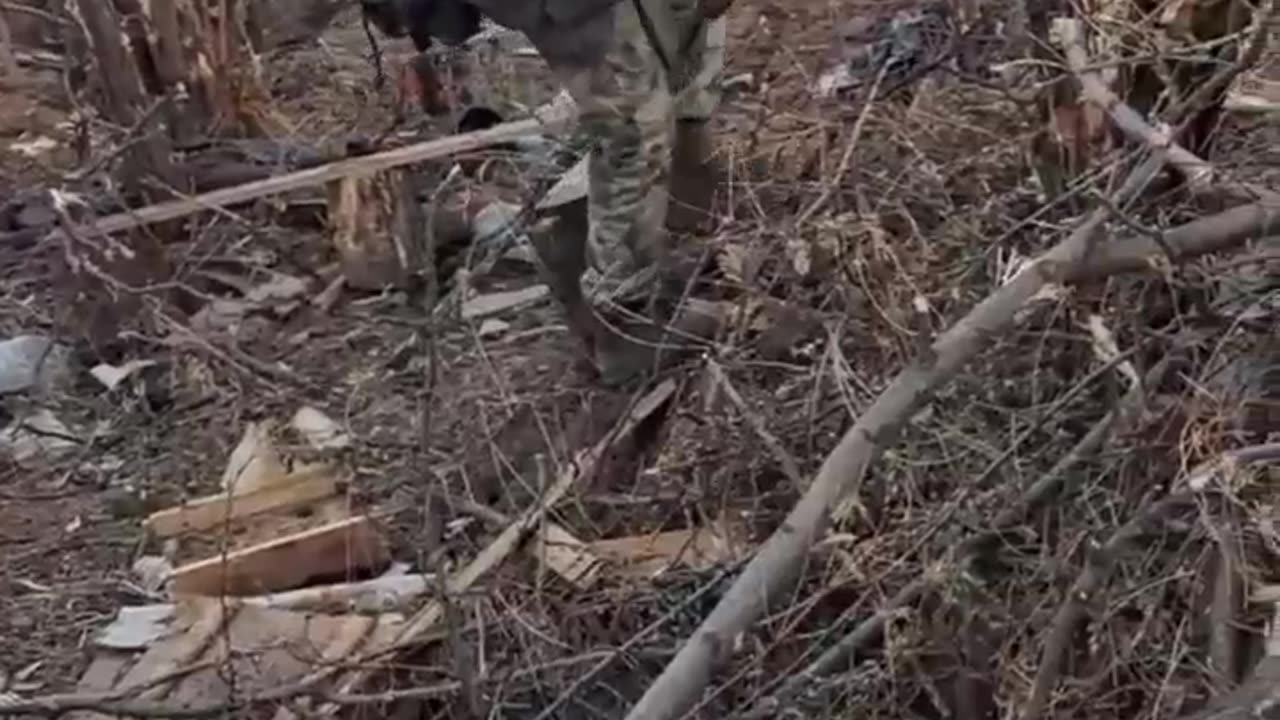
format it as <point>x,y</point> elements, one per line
<point>298,490</point>
<point>335,550</point>
<point>551,119</point>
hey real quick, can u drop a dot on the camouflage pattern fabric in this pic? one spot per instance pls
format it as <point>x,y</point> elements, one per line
<point>629,104</point>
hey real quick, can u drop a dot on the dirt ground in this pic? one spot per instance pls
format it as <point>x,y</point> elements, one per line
<point>933,203</point>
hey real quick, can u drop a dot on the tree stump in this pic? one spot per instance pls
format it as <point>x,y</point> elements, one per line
<point>378,228</point>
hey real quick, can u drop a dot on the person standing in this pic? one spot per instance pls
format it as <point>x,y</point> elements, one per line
<point>646,77</point>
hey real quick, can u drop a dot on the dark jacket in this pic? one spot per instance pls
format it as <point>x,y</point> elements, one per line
<point>566,32</point>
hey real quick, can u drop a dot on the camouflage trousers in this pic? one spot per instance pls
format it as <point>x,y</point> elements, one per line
<point>629,105</point>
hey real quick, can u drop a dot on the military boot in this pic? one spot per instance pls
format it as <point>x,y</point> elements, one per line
<point>694,177</point>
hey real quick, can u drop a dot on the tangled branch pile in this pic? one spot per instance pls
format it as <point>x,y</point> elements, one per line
<point>991,423</point>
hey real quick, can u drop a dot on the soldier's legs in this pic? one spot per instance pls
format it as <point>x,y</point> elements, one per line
<point>694,174</point>
<point>627,112</point>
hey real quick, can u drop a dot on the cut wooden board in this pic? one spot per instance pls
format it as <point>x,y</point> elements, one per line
<point>298,490</point>
<point>644,556</point>
<point>339,549</point>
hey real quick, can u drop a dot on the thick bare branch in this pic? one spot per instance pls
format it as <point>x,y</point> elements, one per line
<point>1199,237</point>
<point>774,568</point>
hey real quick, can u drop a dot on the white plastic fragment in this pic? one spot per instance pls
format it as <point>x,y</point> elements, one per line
<point>32,361</point>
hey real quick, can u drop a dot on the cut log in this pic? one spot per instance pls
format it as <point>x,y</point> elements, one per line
<point>377,228</point>
<point>341,549</point>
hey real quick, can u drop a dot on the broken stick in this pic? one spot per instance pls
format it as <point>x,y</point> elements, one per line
<point>552,118</point>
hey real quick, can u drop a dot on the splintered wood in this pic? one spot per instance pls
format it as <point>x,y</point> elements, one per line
<point>301,490</point>
<point>377,228</point>
<point>424,622</point>
<point>251,603</point>
<point>271,531</point>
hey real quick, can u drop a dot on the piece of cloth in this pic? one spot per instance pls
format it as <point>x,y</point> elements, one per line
<point>628,107</point>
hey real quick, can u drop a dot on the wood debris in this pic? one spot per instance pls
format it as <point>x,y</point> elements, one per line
<point>267,566</point>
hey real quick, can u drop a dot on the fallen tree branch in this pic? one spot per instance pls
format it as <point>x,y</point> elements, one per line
<point>1200,174</point>
<point>1255,43</point>
<point>772,571</point>
<point>1101,560</point>
<point>785,459</point>
<point>1198,237</point>
<point>1257,698</point>
<point>778,560</point>
<point>1051,484</point>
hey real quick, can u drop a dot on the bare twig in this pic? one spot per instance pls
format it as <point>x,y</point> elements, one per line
<point>1255,42</point>
<point>1200,174</point>
<point>847,156</point>
<point>771,441</point>
<point>124,704</point>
